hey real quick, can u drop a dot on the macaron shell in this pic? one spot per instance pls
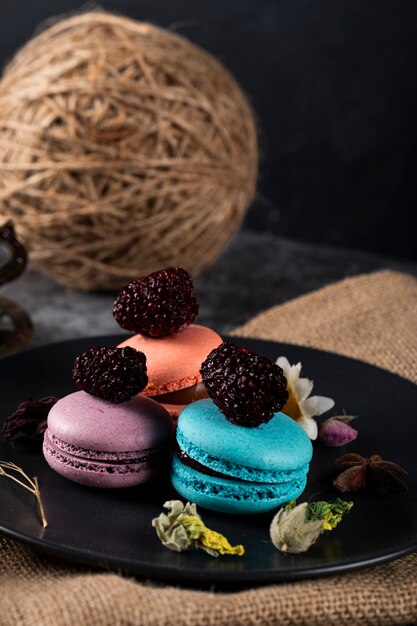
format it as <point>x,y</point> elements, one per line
<point>239,471</point>
<point>232,496</point>
<point>174,362</point>
<point>100,444</point>
<point>85,421</point>
<point>280,445</point>
<point>80,471</point>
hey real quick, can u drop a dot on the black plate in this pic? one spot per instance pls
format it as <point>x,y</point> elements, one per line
<point>112,528</point>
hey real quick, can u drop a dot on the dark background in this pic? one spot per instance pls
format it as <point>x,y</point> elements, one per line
<point>334,87</point>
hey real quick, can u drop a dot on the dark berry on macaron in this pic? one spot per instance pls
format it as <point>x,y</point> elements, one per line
<point>158,305</point>
<point>247,388</point>
<point>113,374</point>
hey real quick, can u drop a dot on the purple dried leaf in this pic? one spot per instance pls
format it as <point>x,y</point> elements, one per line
<point>28,422</point>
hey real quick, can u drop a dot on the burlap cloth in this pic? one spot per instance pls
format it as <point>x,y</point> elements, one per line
<point>371,317</point>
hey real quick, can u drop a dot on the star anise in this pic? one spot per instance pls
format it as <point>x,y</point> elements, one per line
<point>352,472</point>
<point>28,422</point>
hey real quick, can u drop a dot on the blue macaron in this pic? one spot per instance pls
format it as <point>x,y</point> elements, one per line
<point>235,469</point>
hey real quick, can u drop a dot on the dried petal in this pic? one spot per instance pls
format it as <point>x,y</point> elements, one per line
<point>28,422</point>
<point>309,425</point>
<point>300,406</point>
<point>317,405</point>
<point>182,529</point>
<point>334,432</point>
<point>290,532</point>
<point>295,528</point>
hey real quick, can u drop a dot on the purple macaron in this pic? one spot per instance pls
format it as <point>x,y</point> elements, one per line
<point>100,444</point>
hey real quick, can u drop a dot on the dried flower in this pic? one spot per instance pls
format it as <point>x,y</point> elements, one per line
<point>182,529</point>
<point>28,422</point>
<point>300,405</point>
<point>296,527</point>
<point>336,431</point>
<point>352,472</point>
<point>32,484</point>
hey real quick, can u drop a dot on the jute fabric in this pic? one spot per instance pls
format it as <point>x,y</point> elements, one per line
<point>371,317</point>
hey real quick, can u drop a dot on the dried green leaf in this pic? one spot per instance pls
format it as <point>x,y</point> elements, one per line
<point>330,513</point>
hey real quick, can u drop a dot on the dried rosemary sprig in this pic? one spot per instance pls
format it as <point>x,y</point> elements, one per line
<point>32,484</point>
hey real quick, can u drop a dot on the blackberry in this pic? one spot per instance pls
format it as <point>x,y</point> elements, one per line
<point>158,305</point>
<point>114,374</point>
<point>246,387</point>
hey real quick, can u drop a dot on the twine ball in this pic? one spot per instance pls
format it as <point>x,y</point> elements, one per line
<point>124,148</point>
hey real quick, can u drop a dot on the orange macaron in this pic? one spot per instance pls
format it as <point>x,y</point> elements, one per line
<point>160,308</point>
<point>173,365</point>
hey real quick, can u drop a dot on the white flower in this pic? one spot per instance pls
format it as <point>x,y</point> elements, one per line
<point>300,406</point>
